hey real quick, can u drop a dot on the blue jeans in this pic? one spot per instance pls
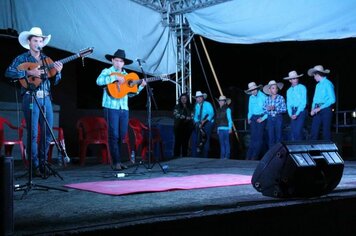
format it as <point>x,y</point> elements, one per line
<point>297,126</point>
<point>208,127</point>
<point>117,128</point>
<point>322,119</point>
<point>38,154</point>
<point>274,127</point>
<point>256,141</point>
<point>224,140</point>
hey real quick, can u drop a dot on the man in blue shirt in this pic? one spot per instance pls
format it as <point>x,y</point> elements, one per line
<point>34,82</point>
<point>256,119</point>
<point>116,110</point>
<point>296,104</point>
<point>203,120</point>
<point>324,98</point>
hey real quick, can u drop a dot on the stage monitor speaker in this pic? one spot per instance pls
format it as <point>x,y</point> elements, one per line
<point>299,169</point>
<point>6,196</point>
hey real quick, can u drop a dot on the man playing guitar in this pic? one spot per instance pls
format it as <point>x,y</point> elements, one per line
<point>116,110</point>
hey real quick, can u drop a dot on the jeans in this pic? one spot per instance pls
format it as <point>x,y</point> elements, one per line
<point>256,141</point>
<point>117,128</point>
<point>297,126</point>
<point>224,140</point>
<point>208,127</point>
<point>274,127</point>
<point>322,119</point>
<point>38,154</point>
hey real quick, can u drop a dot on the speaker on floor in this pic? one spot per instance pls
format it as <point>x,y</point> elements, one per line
<point>6,196</point>
<point>299,169</point>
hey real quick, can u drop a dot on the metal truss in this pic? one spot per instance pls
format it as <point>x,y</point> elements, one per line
<point>172,12</point>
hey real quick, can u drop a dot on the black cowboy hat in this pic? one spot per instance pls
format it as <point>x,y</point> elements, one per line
<point>119,54</point>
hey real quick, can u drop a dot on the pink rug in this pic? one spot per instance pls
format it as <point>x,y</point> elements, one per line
<point>122,187</point>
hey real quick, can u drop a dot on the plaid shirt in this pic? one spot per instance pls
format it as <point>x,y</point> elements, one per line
<point>279,105</point>
<point>110,102</point>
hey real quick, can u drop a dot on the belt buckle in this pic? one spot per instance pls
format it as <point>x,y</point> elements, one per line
<point>40,94</point>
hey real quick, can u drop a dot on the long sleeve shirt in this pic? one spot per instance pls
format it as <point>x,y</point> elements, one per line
<point>297,99</point>
<point>279,105</point>
<point>14,74</point>
<point>255,105</point>
<point>108,101</point>
<point>207,112</point>
<point>229,121</point>
<point>324,94</point>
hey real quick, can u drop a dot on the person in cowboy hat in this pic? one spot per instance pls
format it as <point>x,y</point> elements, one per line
<point>256,119</point>
<point>296,105</point>
<point>34,40</point>
<point>116,110</point>
<point>183,113</point>
<point>324,98</point>
<point>223,121</point>
<point>203,120</point>
<point>274,106</point>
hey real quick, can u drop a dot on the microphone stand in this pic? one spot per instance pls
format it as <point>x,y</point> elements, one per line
<point>149,120</point>
<point>30,185</point>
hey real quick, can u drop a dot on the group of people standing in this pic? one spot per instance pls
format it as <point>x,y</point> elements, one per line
<point>191,121</point>
<point>266,110</point>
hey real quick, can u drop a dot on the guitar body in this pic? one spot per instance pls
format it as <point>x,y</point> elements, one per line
<point>129,86</point>
<point>32,79</point>
<point>50,69</point>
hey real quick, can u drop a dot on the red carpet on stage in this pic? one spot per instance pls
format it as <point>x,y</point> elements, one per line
<point>122,187</point>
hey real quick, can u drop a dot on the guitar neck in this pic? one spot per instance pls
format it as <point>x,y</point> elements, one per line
<point>65,60</point>
<point>151,79</point>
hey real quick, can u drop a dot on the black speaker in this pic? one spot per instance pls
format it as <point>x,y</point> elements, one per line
<point>299,169</point>
<point>6,196</point>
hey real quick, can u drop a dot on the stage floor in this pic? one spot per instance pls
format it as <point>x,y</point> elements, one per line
<point>221,210</point>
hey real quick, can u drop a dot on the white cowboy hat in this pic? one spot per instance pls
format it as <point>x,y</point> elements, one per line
<point>252,86</point>
<point>224,98</point>
<point>292,75</point>
<point>35,31</point>
<point>318,68</point>
<point>200,94</point>
<point>270,83</point>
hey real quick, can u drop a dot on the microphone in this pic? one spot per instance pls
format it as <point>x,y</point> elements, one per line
<point>66,159</point>
<point>39,48</point>
<point>140,61</point>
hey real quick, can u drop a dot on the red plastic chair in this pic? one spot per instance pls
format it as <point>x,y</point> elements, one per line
<point>60,138</point>
<point>93,130</point>
<point>140,132</point>
<point>10,143</point>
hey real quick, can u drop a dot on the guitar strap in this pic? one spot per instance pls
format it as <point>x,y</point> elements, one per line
<point>201,112</point>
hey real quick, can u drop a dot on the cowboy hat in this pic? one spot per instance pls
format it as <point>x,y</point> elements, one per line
<point>252,86</point>
<point>292,75</point>
<point>270,83</point>
<point>119,54</point>
<point>223,98</point>
<point>318,68</point>
<point>200,94</point>
<point>35,31</point>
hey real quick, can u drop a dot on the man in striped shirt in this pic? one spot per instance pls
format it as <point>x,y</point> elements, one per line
<point>116,110</point>
<point>324,98</point>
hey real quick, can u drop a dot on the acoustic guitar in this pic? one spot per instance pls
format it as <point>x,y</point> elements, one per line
<point>117,90</point>
<point>49,68</point>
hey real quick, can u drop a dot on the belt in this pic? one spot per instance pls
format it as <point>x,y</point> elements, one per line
<point>39,93</point>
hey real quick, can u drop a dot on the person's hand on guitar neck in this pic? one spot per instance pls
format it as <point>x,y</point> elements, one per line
<point>143,83</point>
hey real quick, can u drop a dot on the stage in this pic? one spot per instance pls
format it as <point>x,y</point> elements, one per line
<point>212,211</point>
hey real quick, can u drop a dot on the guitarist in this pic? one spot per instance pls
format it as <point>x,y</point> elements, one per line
<point>203,119</point>
<point>34,41</point>
<point>116,110</point>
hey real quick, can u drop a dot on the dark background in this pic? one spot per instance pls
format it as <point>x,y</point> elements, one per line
<point>235,66</point>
